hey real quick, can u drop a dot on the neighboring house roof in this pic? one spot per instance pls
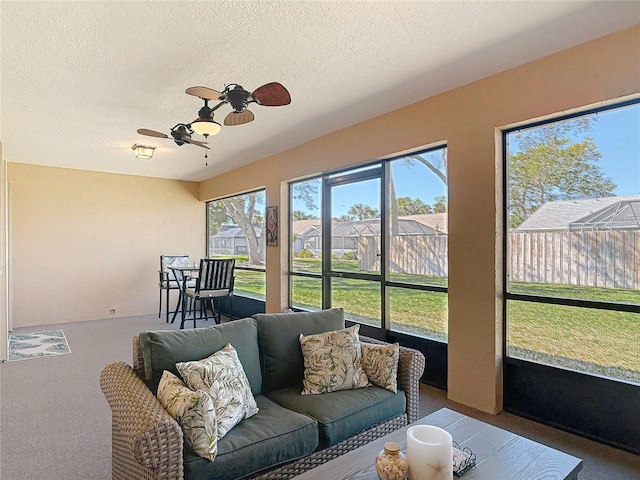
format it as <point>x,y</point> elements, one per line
<point>428,224</point>
<point>371,227</point>
<point>311,231</point>
<point>231,231</point>
<point>299,226</point>
<point>604,213</point>
<point>437,221</point>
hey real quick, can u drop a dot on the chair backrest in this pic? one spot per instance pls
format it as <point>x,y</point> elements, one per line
<point>168,261</point>
<point>216,274</point>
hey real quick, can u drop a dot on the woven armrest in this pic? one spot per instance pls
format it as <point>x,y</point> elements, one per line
<point>411,366</point>
<point>138,361</point>
<point>147,441</point>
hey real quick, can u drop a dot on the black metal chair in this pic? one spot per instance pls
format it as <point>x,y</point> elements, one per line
<point>215,281</point>
<point>166,279</point>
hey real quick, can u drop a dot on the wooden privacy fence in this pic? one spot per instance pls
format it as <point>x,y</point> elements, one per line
<point>413,254</point>
<point>596,258</point>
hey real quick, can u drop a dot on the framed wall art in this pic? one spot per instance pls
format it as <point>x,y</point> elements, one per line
<point>272,226</point>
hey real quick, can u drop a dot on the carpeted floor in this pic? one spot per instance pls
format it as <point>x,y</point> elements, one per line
<point>56,424</point>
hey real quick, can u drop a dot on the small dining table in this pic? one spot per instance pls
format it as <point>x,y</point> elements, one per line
<point>182,275</point>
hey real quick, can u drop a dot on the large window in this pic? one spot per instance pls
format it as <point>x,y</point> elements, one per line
<point>418,260</point>
<point>306,244</point>
<point>373,240</point>
<point>573,243</point>
<point>235,229</point>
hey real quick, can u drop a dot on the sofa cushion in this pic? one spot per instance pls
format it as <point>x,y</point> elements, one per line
<point>162,349</point>
<point>194,411</point>
<point>341,414</point>
<point>274,436</point>
<point>380,363</point>
<point>280,353</point>
<point>332,361</point>
<point>221,375</point>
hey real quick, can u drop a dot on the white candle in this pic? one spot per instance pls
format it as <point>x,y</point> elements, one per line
<point>429,453</point>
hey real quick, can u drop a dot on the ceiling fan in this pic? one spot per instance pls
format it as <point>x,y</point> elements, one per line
<point>180,134</point>
<point>269,95</point>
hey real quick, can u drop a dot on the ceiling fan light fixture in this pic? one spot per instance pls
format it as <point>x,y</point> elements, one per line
<point>143,151</point>
<point>206,127</point>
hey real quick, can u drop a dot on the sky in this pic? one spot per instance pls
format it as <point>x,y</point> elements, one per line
<point>615,132</point>
<point>411,179</point>
<point>617,135</point>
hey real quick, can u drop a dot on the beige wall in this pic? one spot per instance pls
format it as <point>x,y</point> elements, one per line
<point>466,119</point>
<point>85,242</point>
<point>4,285</point>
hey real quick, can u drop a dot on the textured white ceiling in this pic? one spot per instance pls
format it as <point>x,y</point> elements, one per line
<point>79,78</point>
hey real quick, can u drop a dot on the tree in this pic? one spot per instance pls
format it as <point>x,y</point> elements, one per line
<point>300,215</point>
<point>410,206</point>
<point>363,212</point>
<point>345,218</point>
<point>437,166</point>
<point>217,217</point>
<point>243,210</point>
<point>307,191</point>
<point>440,205</point>
<point>551,166</point>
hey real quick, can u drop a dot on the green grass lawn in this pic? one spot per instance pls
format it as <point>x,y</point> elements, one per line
<point>601,341</point>
<point>249,283</point>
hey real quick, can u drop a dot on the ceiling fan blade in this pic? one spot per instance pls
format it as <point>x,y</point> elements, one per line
<point>204,93</point>
<point>152,133</point>
<point>195,142</point>
<point>272,95</point>
<point>239,118</point>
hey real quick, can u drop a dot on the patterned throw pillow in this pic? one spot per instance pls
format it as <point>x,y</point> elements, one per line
<point>380,363</point>
<point>332,361</point>
<point>194,411</point>
<point>222,376</point>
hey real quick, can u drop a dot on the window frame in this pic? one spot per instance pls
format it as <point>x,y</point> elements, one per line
<point>583,403</point>
<point>379,168</point>
<point>237,266</point>
<point>545,299</point>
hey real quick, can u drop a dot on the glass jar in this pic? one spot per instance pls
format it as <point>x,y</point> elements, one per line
<point>391,463</point>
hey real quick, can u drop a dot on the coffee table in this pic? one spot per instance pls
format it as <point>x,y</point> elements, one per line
<point>500,455</point>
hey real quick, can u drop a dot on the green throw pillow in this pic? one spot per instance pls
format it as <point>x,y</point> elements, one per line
<point>194,412</point>
<point>332,361</point>
<point>222,376</point>
<point>380,363</point>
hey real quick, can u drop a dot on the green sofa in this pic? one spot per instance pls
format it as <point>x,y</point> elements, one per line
<point>148,444</point>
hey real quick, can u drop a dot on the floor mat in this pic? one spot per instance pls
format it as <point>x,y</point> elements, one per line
<point>23,346</point>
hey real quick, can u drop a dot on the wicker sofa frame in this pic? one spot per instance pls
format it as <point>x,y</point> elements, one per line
<point>147,443</point>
